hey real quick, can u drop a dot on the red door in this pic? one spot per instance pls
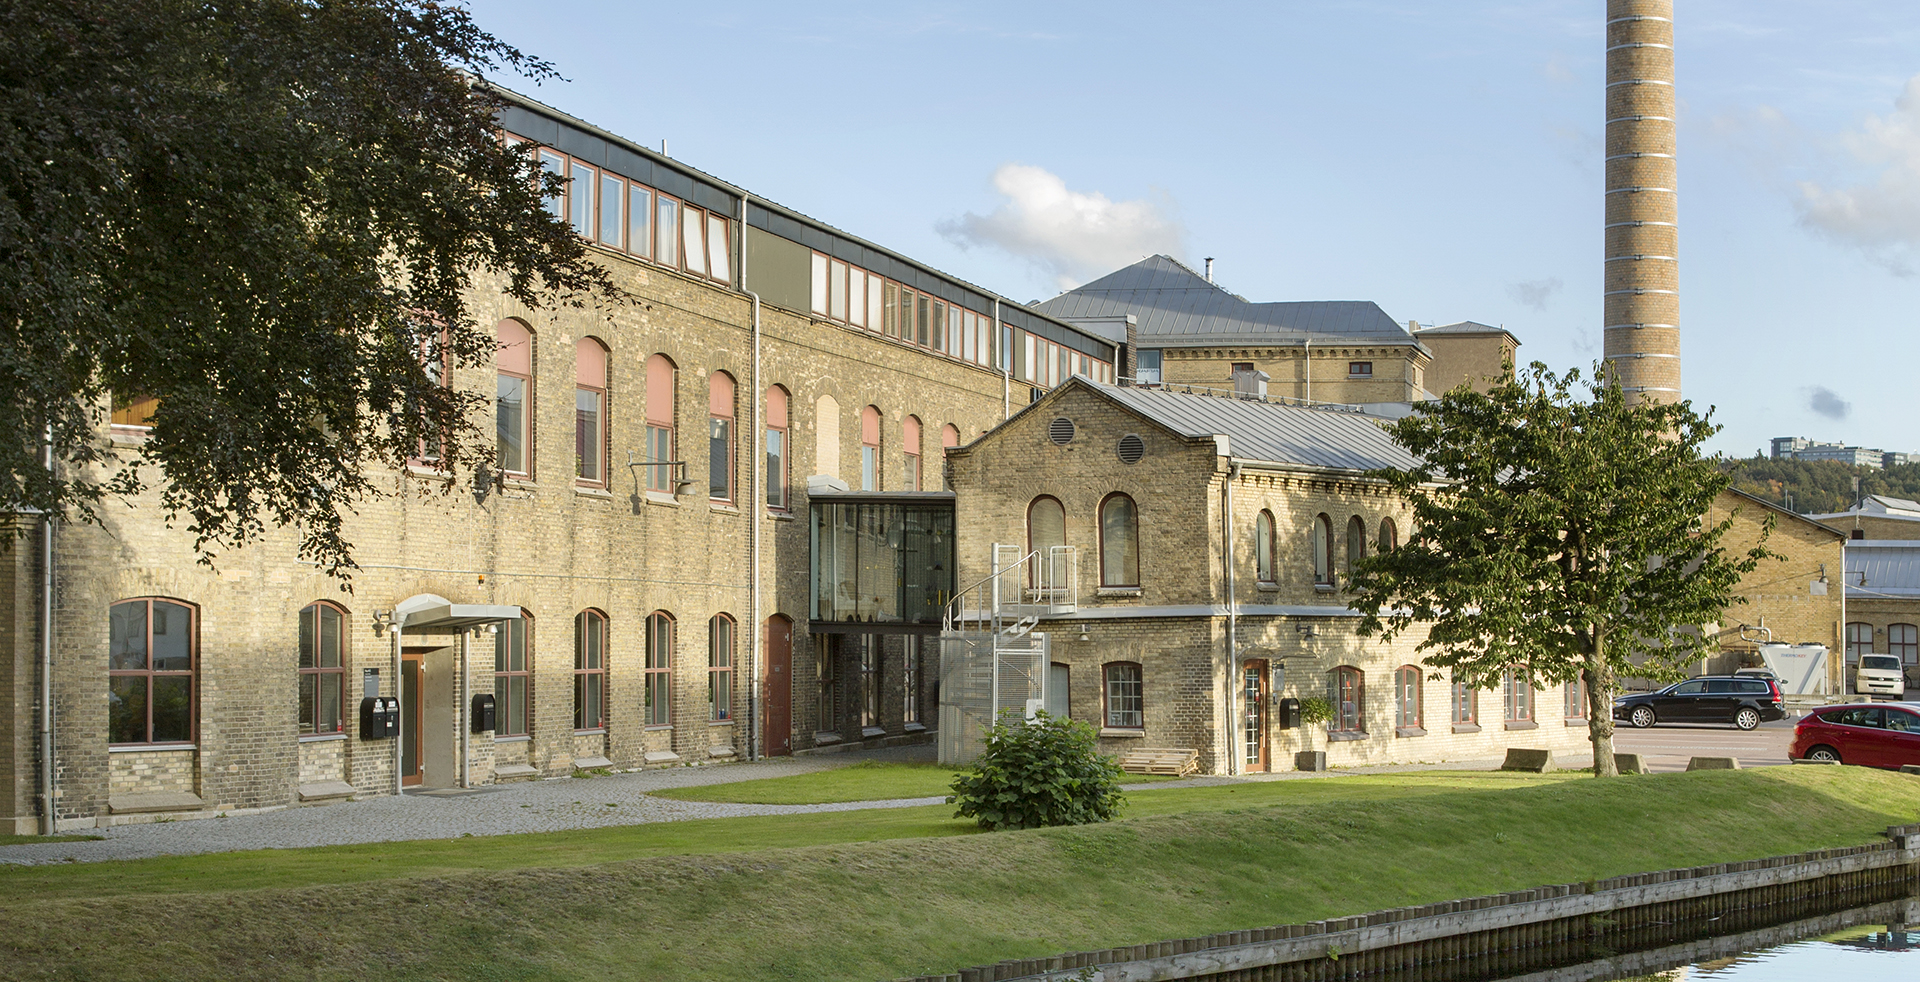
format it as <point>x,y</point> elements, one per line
<point>779,694</point>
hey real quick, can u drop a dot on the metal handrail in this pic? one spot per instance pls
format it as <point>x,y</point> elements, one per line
<point>951,615</point>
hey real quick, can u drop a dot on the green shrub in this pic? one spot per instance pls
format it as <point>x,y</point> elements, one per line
<point>1039,772</point>
<point>1314,709</point>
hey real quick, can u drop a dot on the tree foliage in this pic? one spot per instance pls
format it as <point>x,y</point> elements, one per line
<point>1557,531</point>
<point>1820,487</point>
<point>1039,772</point>
<point>270,216</point>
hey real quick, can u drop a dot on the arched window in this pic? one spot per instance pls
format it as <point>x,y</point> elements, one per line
<point>151,651</point>
<point>1577,699</point>
<point>720,437</point>
<point>1119,542</point>
<point>513,677</point>
<point>1517,692</point>
<point>1466,704</point>
<point>870,449</point>
<point>1123,693</point>
<point>1347,691</point>
<point>1263,547</point>
<point>513,398</point>
<point>910,453</point>
<point>659,708</point>
<point>777,450</point>
<point>1322,550</point>
<point>1903,640</point>
<point>661,376</point>
<point>1046,528</point>
<point>1356,543</point>
<point>1859,641</point>
<point>826,437</point>
<point>589,670</point>
<point>322,668</point>
<point>1389,535</point>
<point>949,438</point>
<point>1406,698</point>
<point>720,668</point>
<point>590,412</point>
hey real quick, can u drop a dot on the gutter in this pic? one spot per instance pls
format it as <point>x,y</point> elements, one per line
<point>48,817</point>
<point>1229,765</point>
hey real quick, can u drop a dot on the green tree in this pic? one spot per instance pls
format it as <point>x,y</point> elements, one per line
<point>269,216</point>
<point>1039,772</point>
<point>1558,533</point>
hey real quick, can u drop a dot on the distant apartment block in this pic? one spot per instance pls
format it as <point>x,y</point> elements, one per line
<point>1801,448</point>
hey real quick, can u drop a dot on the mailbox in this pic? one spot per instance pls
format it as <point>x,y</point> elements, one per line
<point>379,718</point>
<point>1289,712</point>
<point>483,712</point>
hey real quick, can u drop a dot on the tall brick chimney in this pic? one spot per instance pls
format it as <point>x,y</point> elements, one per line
<point>1642,305</point>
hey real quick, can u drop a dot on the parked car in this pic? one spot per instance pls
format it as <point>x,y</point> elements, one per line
<point>1880,675</point>
<point>1744,701</point>
<point>1757,673</point>
<point>1879,734</point>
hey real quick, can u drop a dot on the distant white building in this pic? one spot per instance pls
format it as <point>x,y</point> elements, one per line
<point>1801,448</point>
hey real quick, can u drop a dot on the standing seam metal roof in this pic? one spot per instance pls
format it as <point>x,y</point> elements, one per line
<point>1269,432</point>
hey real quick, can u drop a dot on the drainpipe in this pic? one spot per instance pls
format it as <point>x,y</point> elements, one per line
<point>48,817</point>
<point>756,503</point>
<point>1233,621</point>
<point>460,711</point>
<point>1307,373</point>
<point>399,739</point>
<point>1006,365</point>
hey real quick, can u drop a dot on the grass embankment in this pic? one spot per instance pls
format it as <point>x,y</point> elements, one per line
<point>1189,861</point>
<point>869,780</point>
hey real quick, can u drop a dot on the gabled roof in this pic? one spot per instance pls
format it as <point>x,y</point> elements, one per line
<point>1467,328</point>
<point>1172,304</point>
<point>1266,432</point>
<point>1879,568</point>
<point>1785,512</point>
<point>1879,506</point>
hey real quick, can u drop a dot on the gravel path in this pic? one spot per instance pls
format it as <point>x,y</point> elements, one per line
<point>509,809</point>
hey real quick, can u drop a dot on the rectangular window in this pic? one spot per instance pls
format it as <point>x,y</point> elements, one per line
<point>837,290</point>
<point>589,671</point>
<point>820,284</point>
<point>1359,369</point>
<point>910,477</point>
<point>869,468</point>
<point>150,656</point>
<point>936,330</point>
<point>1577,699</point>
<point>1348,693</point>
<point>923,314</point>
<point>968,335</point>
<point>1518,698</point>
<point>719,459</point>
<point>613,224</point>
<point>659,670</point>
<point>856,297</point>
<point>556,165</point>
<point>666,231</point>
<point>693,231</point>
<point>890,310</point>
<point>719,250</point>
<point>580,200</point>
<point>659,453</point>
<point>587,435</point>
<point>1406,698</point>
<point>910,679</point>
<point>777,468</point>
<point>869,681</point>
<point>1466,703</point>
<point>322,676</point>
<point>720,670</point>
<point>874,284</point>
<point>133,411</point>
<point>1123,692</point>
<point>1029,367</point>
<point>512,685</point>
<point>639,219</point>
<point>906,315</point>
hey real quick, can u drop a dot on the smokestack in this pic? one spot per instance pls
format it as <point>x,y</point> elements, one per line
<point>1209,269</point>
<point>1642,300</point>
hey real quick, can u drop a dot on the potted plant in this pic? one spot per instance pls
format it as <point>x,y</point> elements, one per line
<point>1314,713</point>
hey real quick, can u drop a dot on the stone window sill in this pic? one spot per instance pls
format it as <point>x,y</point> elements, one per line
<point>1466,727</point>
<point>916,728</point>
<point>722,507</point>
<point>823,738</point>
<point>1323,588</point>
<point>1522,724</point>
<point>148,748</point>
<point>601,493</point>
<point>596,731</point>
<point>516,738</point>
<point>428,473</point>
<point>322,737</point>
<point>1123,732</point>
<point>658,727</point>
<point>1409,731</point>
<point>869,732</point>
<point>719,722</point>
<point>1576,721</point>
<point>520,483</point>
<point>662,498</point>
<point>1265,587</point>
<point>1118,591</point>
<point>779,516</point>
<point>1345,735</point>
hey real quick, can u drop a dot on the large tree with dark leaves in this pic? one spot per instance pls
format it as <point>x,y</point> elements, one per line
<point>267,215</point>
<point>1558,533</point>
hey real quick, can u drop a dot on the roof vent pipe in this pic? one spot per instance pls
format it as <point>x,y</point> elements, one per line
<point>1209,269</point>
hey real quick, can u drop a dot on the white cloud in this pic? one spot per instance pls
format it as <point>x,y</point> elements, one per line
<point>1073,236</point>
<point>1535,293</point>
<point>1880,214</point>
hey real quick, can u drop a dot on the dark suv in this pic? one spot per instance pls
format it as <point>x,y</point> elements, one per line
<point>1744,701</point>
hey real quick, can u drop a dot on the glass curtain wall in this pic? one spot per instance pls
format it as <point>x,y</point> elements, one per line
<point>882,562</point>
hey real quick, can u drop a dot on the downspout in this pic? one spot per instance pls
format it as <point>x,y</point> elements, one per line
<point>48,817</point>
<point>399,738</point>
<point>1233,620</point>
<point>1306,374</point>
<point>460,711</point>
<point>1006,363</point>
<point>757,506</point>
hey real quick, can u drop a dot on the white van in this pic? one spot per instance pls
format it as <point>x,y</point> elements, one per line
<point>1880,675</point>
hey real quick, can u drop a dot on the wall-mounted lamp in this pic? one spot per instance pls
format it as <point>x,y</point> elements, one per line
<point>1083,632</point>
<point>382,620</point>
<point>485,482</point>
<point>1307,630</point>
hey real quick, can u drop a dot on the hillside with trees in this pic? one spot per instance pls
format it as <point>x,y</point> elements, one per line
<point>1819,486</point>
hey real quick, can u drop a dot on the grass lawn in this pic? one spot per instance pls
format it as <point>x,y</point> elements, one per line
<point>879,894</point>
<point>869,780</point>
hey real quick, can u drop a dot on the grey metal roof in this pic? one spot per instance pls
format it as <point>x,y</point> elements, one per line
<point>1879,568</point>
<point>1268,432</point>
<point>1175,305</point>
<point>1463,327</point>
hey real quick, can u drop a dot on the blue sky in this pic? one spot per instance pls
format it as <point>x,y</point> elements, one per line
<point>1440,159</point>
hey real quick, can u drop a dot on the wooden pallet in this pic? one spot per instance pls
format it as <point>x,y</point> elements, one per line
<point>1146,760</point>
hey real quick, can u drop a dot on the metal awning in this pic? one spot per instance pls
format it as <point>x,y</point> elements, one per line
<point>430,614</point>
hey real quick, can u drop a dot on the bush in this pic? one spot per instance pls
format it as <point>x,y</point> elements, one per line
<point>1039,772</point>
<point>1314,709</point>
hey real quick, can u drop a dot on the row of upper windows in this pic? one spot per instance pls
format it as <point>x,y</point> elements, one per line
<point>1903,640</point>
<point>630,217</point>
<point>1266,546</point>
<point>153,653</point>
<point>1147,365</point>
<point>665,471</point>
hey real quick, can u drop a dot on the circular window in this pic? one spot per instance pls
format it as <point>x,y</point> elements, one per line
<point>1060,431</point>
<point>1132,448</point>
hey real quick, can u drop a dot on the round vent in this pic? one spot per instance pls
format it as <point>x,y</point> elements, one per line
<point>1060,431</point>
<point>1132,448</point>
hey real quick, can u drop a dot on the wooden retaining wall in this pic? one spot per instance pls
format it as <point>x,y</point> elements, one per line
<point>1505,933</point>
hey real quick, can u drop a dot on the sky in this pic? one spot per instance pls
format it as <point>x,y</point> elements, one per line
<point>1443,160</point>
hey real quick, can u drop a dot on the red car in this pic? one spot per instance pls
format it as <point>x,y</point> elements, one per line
<point>1879,734</point>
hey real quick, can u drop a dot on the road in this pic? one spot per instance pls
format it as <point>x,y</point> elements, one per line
<point>1667,747</point>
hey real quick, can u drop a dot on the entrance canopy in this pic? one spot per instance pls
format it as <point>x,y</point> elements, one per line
<point>429,614</point>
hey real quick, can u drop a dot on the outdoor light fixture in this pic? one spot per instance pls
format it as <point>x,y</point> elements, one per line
<point>1306,630</point>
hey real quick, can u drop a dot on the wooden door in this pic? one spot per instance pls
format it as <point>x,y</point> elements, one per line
<point>1253,732</point>
<point>778,729</point>
<point>410,717</point>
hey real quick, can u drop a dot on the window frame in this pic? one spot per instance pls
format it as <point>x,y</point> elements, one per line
<point>910,680</point>
<point>1909,649</point>
<point>1264,549</point>
<point>1356,544</point>
<point>1131,529</point>
<point>722,465</point>
<point>1041,560</point>
<point>1576,699</point>
<point>1517,693</point>
<point>526,378</point>
<point>1113,682</point>
<point>1463,703</point>
<point>1349,715</point>
<point>722,641</point>
<point>504,701</point>
<point>589,670</point>
<point>656,707</point>
<point>191,673</point>
<point>1407,698</point>
<point>1389,535</point>
<point>662,444</point>
<point>318,672</point>
<point>911,434</point>
<point>1859,641</point>
<point>872,664</point>
<point>1321,545</point>
<point>871,471</point>
<point>778,463</point>
<point>1360,369</point>
<point>602,432</point>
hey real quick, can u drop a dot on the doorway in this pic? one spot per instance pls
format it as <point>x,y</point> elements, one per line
<point>779,694</point>
<point>429,752</point>
<point>1253,695</point>
<point>410,721</point>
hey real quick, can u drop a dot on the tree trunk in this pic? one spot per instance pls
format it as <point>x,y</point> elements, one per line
<point>1599,678</point>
